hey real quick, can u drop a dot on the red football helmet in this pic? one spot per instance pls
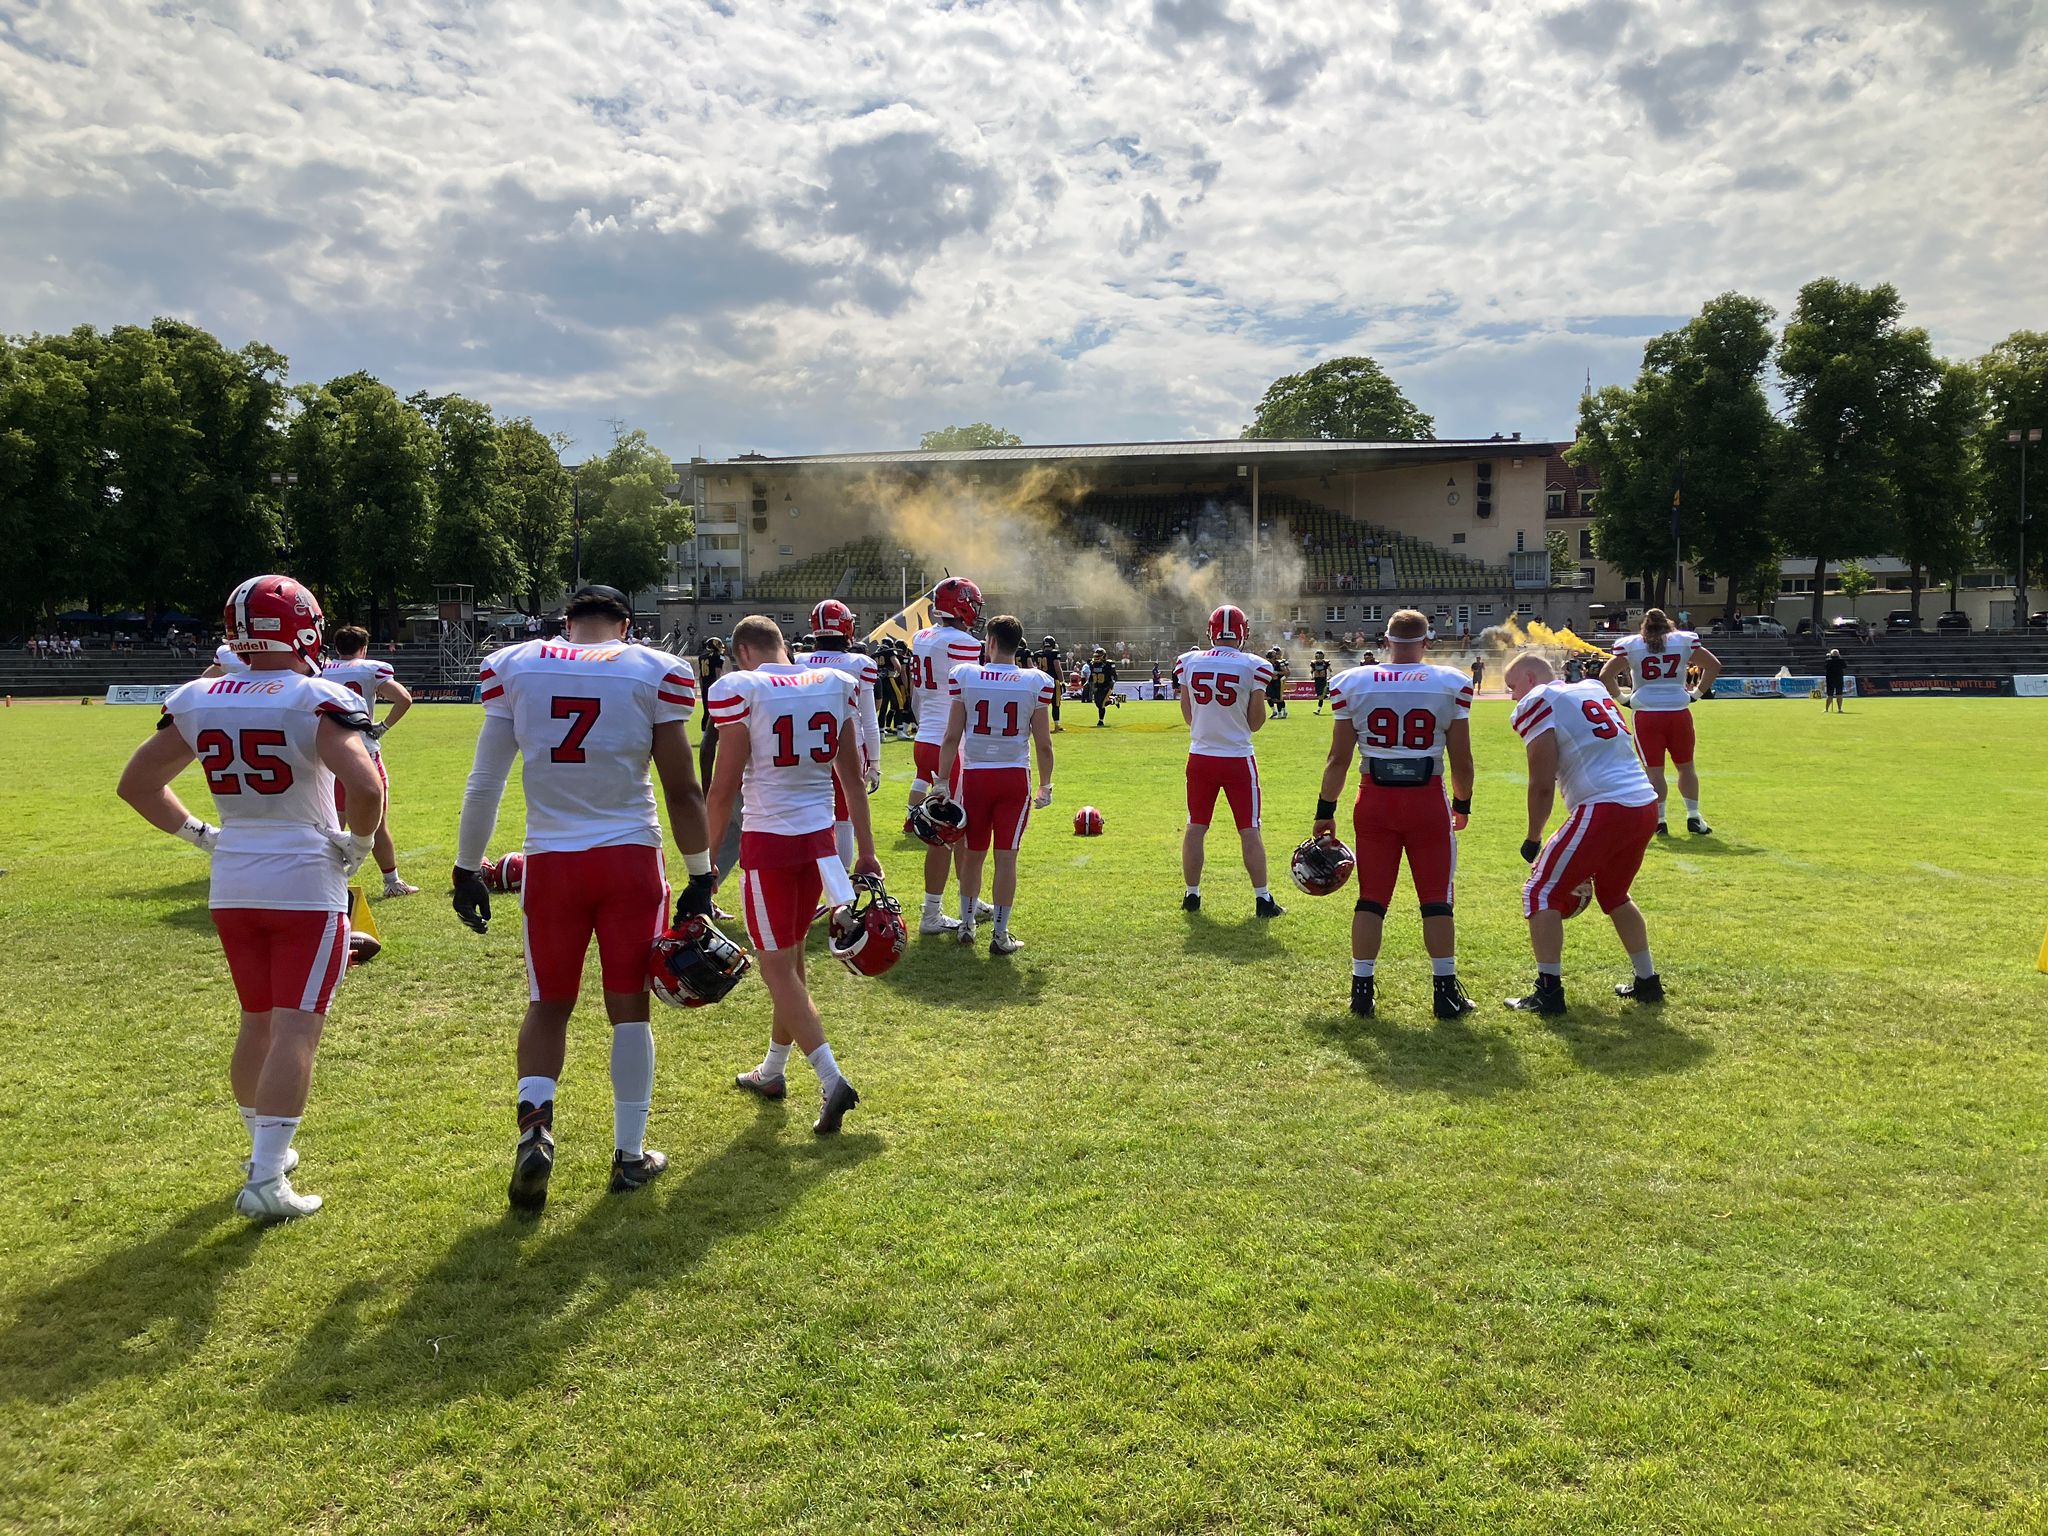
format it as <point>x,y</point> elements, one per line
<point>1228,626</point>
<point>1087,822</point>
<point>958,598</point>
<point>1322,865</point>
<point>693,964</point>
<point>868,935</point>
<point>832,617</point>
<point>274,613</point>
<point>938,821</point>
<point>507,874</point>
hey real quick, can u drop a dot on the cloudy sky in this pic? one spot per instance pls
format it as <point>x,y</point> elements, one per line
<point>744,224</point>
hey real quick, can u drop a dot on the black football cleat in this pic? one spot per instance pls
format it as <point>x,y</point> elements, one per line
<point>1191,902</point>
<point>837,1103</point>
<point>751,1081</point>
<point>1361,996</point>
<point>1662,830</point>
<point>532,1163</point>
<point>1547,998</point>
<point>1266,906</point>
<point>629,1173</point>
<point>1451,1001</point>
<point>1698,827</point>
<point>1644,989</point>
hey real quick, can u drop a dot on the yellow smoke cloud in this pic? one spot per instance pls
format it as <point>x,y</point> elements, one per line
<point>1518,634</point>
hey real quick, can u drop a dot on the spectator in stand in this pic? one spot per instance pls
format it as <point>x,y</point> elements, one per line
<point>533,626</point>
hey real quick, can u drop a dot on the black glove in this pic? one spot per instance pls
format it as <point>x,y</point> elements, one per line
<point>377,731</point>
<point>697,897</point>
<point>1530,849</point>
<point>471,899</point>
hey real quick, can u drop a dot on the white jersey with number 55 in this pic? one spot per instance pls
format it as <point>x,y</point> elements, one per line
<point>1596,759</point>
<point>584,716</point>
<point>1659,675</point>
<point>795,716</point>
<point>1218,684</point>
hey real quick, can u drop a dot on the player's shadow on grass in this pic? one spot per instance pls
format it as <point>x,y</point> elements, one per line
<point>188,898</point>
<point>1636,1042</point>
<point>1235,936</point>
<point>934,970</point>
<point>1427,1055</point>
<point>1705,848</point>
<point>513,1296</point>
<point>137,1312</point>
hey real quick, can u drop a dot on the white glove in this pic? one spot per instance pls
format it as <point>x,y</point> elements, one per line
<point>874,781</point>
<point>1043,797</point>
<point>199,834</point>
<point>352,848</point>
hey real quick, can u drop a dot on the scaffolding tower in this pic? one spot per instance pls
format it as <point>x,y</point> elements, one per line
<point>457,659</point>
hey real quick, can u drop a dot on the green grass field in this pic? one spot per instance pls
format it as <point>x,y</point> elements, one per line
<point>1139,1230</point>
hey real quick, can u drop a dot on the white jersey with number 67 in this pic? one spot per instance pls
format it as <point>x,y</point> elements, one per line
<point>1659,675</point>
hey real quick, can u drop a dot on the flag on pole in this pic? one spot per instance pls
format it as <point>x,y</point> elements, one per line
<point>363,939</point>
<point>2041,964</point>
<point>905,624</point>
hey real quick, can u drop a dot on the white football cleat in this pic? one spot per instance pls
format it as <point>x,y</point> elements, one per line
<point>965,934</point>
<point>291,1162</point>
<point>275,1200</point>
<point>939,923</point>
<point>394,886</point>
<point>983,911</point>
<point>1005,944</point>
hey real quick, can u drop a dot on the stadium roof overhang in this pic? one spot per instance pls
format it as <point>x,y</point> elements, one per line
<point>1136,463</point>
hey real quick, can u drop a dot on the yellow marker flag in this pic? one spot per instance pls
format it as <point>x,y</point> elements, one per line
<point>903,626</point>
<point>359,916</point>
<point>2041,963</point>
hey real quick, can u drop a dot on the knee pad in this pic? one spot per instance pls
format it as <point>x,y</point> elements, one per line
<point>1436,909</point>
<point>920,788</point>
<point>1362,905</point>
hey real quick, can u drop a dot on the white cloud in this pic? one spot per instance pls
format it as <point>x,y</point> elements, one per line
<point>745,225</point>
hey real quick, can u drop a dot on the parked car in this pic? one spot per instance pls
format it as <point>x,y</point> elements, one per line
<point>1901,621</point>
<point>1761,626</point>
<point>1955,621</point>
<point>2037,621</point>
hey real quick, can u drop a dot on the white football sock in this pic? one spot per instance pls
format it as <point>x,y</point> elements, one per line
<point>1195,891</point>
<point>1447,966</point>
<point>536,1091</point>
<point>776,1060</point>
<point>248,1120</point>
<point>271,1136</point>
<point>1692,808</point>
<point>1550,968</point>
<point>1002,918</point>
<point>1363,967</point>
<point>1263,892</point>
<point>632,1085</point>
<point>827,1069</point>
<point>1641,961</point>
<point>932,904</point>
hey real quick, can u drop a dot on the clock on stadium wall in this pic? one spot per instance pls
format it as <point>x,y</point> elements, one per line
<point>1450,498</point>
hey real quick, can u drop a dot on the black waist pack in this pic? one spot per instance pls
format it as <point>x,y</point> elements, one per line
<point>1400,772</point>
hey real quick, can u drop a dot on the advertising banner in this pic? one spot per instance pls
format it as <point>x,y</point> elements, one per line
<point>2031,685</point>
<point>1939,686</point>
<point>445,693</point>
<point>1777,687</point>
<point>141,693</point>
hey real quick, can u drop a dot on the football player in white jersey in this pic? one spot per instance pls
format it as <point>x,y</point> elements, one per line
<point>999,712</point>
<point>370,680</point>
<point>787,733</point>
<point>1222,695</point>
<point>934,653</point>
<point>1576,738</point>
<point>832,628</point>
<point>273,741</point>
<point>225,662</point>
<point>1406,720</point>
<point>1659,657</point>
<point>586,713</point>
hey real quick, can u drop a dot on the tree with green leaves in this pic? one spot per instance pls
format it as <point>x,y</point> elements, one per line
<point>384,479</point>
<point>1855,376</point>
<point>51,490</point>
<point>535,512</point>
<point>1632,518</point>
<point>469,546</point>
<point>1941,482</point>
<point>628,518</point>
<point>2014,379</point>
<point>976,434</point>
<point>1564,567</point>
<point>1347,399</point>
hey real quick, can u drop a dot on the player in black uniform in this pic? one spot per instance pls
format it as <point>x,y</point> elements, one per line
<point>712,663</point>
<point>1276,690</point>
<point>1101,684</point>
<point>885,688</point>
<point>1319,669</point>
<point>1049,662</point>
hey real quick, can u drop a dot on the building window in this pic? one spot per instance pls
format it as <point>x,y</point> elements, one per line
<point>1294,614</point>
<point>1372,613</point>
<point>1524,610</point>
<point>1333,614</point>
<point>1633,592</point>
<point>1706,586</point>
<point>1586,577</point>
<point>1457,538</point>
<point>1486,610</point>
<point>1518,540</point>
<point>1553,502</point>
<point>1586,503</point>
<point>1585,543</point>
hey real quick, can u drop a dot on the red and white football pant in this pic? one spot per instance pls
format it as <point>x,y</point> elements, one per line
<point>619,894</point>
<point>341,795</point>
<point>1659,731</point>
<point>998,806</point>
<point>1236,778</point>
<point>1389,822</point>
<point>283,959</point>
<point>781,880</point>
<point>925,756</point>
<point>1601,842</point>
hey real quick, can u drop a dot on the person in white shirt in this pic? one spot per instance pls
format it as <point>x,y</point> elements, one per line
<point>788,733</point>
<point>1000,712</point>
<point>370,680</point>
<point>1223,698</point>
<point>832,629</point>
<point>586,713</point>
<point>1660,658</point>
<point>934,652</point>
<point>1577,739</point>
<point>273,741</point>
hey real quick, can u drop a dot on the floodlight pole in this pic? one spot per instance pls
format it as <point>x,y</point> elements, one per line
<point>2020,439</point>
